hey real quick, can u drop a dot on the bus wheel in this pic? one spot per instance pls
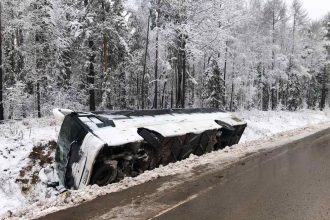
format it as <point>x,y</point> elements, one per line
<point>105,173</point>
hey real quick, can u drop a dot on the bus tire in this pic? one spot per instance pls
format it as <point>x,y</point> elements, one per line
<point>104,174</point>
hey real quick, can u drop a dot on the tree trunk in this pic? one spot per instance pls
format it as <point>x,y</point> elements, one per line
<point>105,54</point>
<point>232,87</point>
<point>91,77</point>
<point>273,29</point>
<point>163,96</point>
<point>324,89</point>
<point>40,63</point>
<point>179,79</point>
<point>184,72</point>
<point>327,66</point>
<point>231,96</point>
<point>155,105</point>
<point>173,80</point>
<point>224,76</point>
<point>182,69</point>
<point>38,100</point>
<point>1,69</point>
<point>172,98</point>
<point>193,86</point>
<point>145,66</point>
<point>273,101</point>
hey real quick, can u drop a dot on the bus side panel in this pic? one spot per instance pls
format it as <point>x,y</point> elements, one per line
<point>90,149</point>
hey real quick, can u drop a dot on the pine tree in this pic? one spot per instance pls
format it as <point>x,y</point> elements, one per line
<point>274,17</point>
<point>44,49</point>
<point>97,54</point>
<point>294,92</point>
<point>215,86</point>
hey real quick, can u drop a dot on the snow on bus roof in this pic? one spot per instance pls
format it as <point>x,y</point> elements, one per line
<point>168,125</point>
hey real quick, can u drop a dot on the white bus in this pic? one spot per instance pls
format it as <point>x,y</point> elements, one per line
<point>104,147</point>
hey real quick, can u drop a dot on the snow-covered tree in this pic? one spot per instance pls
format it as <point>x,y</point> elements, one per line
<point>110,54</point>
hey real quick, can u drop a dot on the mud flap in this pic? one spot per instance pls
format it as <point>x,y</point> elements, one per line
<point>153,138</point>
<point>230,135</point>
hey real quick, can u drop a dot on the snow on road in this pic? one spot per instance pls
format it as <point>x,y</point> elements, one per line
<point>17,141</point>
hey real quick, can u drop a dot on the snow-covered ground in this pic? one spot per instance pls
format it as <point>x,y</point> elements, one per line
<point>17,140</point>
<point>265,124</point>
<point>26,159</point>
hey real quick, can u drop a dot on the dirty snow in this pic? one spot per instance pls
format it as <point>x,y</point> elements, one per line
<point>18,138</point>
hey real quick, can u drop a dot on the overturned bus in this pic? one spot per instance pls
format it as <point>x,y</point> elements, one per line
<point>104,147</point>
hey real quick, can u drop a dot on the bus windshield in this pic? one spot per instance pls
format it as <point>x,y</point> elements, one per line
<point>71,132</point>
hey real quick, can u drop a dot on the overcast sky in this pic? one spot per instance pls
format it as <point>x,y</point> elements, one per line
<point>315,8</point>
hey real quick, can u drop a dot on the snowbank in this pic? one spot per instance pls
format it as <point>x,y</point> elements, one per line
<point>17,140</point>
<point>265,124</point>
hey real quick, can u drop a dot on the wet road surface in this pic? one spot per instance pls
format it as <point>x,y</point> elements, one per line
<point>291,182</point>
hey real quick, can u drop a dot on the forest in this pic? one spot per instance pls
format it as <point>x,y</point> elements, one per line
<point>90,55</point>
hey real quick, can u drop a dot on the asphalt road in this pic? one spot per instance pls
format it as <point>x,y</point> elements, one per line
<point>291,182</point>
